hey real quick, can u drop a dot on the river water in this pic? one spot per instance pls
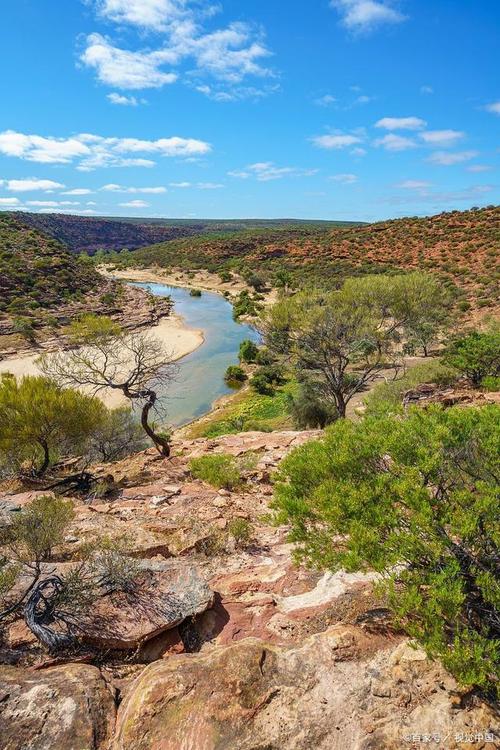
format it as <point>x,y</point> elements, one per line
<point>200,378</point>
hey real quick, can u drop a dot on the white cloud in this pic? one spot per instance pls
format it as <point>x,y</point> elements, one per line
<point>92,151</point>
<point>228,55</point>
<point>149,14</point>
<point>124,101</point>
<point>9,201</point>
<point>267,171</point>
<point>124,69</point>
<point>325,101</point>
<point>113,188</point>
<point>476,168</point>
<point>335,141</point>
<point>401,123</point>
<point>442,138</point>
<point>31,184</point>
<point>344,179</point>
<point>447,158</point>
<point>78,191</point>
<point>45,204</point>
<point>365,15</point>
<point>358,151</point>
<point>135,204</point>
<point>209,185</point>
<point>426,90</point>
<point>393,142</point>
<point>414,185</point>
<point>180,184</point>
<point>493,107</point>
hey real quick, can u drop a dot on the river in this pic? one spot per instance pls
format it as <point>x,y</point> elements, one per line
<point>200,378</point>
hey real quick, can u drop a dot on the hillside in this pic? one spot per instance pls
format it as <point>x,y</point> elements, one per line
<point>463,247</point>
<point>83,233</point>
<point>43,287</point>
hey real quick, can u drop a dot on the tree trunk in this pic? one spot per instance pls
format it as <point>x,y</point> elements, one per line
<point>38,614</point>
<point>46,459</point>
<point>161,443</point>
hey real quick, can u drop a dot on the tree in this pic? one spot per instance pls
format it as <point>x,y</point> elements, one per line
<point>308,409</point>
<point>39,420</point>
<point>104,357</point>
<point>416,500</point>
<point>345,339</point>
<point>118,435</point>
<point>476,355</point>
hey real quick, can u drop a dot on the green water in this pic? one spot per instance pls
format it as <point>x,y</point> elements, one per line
<point>200,378</point>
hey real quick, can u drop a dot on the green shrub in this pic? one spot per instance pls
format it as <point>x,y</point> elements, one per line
<point>220,470</point>
<point>309,410</point>
<point>416,500</point>
<point>248,351</point>
<point>241,530</point>
<point>264,357</point>
<point>476,355</point>
<point>490,383</point>
<point>262,385</point>
<point>195,293</point>
<point>235,375</point>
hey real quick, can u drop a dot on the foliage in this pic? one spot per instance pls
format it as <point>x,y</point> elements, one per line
<point>476,355</point>
<point>40,527</point>
<point>220,470</point>
<point>262,384</point>
<point>490,383</point>
<point>40,421</point>
<point>388,396</point>
<point>248,351</point>
<point>308,409</point>
<point>241,530</point>
<point>416,500</point>
<point>235,374</point>
<point>195,293</point>
<point>119,434</point>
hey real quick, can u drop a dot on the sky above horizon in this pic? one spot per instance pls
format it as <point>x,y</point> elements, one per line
<point>326,109</point>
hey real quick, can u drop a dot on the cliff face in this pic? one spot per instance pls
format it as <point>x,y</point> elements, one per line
<point>233,646</point>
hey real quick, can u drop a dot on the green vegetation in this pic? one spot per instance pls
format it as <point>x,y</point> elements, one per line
<point>248,351</point>
<point>195,293</point>
<point>416,500</point>
<point>387,397</point>
<point>476,355</point>
<point>235,375</point>
<point>344,340</point>
<point>220,470</point>
<point>308,408</point>
<point>37,274</point>
<point>241,530</point>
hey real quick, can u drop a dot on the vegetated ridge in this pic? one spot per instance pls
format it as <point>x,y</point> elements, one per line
<point>461,246</point>
<point>89,234</point>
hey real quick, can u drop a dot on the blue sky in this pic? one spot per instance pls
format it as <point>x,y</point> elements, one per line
<point>333,109</point>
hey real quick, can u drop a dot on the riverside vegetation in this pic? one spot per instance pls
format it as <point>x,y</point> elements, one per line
<point>402,491</point>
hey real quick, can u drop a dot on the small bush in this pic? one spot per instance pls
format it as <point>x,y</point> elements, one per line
<point>195,293</point>
<point>220,470</point>
<point>264,357</point>
<point>491,384</point>
<point>248,351</point>
<point>235,375</point>
<point>476,355</point>
<point>388,397</point>
<point>261,384</point>
<point>241,530</point>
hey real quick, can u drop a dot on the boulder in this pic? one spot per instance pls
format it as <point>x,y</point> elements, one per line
<point>340,689</point>
<point>64,708</point>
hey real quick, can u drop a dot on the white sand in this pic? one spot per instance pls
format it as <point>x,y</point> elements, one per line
<point>177,338</point>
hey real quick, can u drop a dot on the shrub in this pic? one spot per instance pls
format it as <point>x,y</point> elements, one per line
<point>235,375</point>
<point>262,385</point>
<point>220,470</point>
<point>476,355</point>
<point>248,351</point>
<point>195,293</point>
<point>40,527</point>
<point>416,500</point>
<point>490,383</point>
<point>309,410</point>
<point>241,530</point>
<point>264,357</point>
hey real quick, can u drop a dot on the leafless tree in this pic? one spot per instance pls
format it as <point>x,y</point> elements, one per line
<point>104,357</point>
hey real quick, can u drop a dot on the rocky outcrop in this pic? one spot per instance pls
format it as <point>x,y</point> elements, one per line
<point>340,689</point>
<point>64,708</point>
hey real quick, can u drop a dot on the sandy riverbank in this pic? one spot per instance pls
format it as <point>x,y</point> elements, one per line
<point>177,338</point>
<point>204,280</point>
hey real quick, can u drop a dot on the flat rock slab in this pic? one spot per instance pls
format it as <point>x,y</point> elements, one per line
<point>166,594</point>
<point>64,708</point>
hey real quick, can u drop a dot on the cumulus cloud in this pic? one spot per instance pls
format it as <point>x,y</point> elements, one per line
<point>31,184</point>
<point>266,171</point>
<point>91,151</point>
<point>476,168</point>
<point>344,179</point>
<point>227,55</point>
<point>450,158</point>
<point>113,188</point>
<point>414,185</point>
<point>366,15</point>
<point>78,191</point>
<point>401,123</point>
<point>442,138</point>
<point>393,142</point>
<point>341,140</point>
<point>9,201</point>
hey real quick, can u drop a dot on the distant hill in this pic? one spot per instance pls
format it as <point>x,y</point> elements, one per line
<point>83,233</point>
<point>462,246</point>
